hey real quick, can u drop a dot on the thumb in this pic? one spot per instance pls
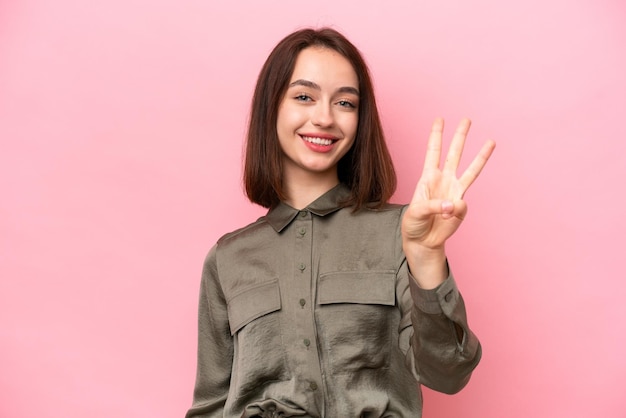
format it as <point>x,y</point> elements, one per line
<point>447,209</point>
<point>427,208</point>
<point>456,209</point>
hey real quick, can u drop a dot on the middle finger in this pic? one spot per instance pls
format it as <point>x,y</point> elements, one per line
<point>455,152</point>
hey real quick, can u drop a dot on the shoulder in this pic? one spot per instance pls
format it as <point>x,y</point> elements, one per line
<point>390,207</point>
<point>388,210</point>
<point>241,242</point>
<point>250,229</point>
<point>382,221</point>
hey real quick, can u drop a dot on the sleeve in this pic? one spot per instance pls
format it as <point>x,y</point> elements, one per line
<point>215,346</point>
<point>442,351</point>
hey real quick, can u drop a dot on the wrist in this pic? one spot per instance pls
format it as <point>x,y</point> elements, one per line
<point>428,266</point>
<point>422,253</point>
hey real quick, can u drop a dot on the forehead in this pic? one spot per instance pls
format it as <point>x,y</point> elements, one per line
<point>324,66</point>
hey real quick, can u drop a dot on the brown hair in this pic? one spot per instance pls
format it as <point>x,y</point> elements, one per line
<point>367,167</point>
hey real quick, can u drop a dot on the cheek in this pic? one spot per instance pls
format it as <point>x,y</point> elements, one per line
<point>280,119</point>
<point>288,119</point>
<point>350,124</point>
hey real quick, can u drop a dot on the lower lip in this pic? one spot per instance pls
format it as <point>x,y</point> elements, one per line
<point>318,147</point>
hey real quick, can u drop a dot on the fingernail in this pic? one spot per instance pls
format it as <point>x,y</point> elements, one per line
<point>447,206</point>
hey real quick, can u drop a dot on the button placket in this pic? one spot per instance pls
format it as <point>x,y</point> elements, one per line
<point>304,338</point>
<point>300,233</point>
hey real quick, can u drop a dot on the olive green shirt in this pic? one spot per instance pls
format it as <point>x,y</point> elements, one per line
<point>313,313</point>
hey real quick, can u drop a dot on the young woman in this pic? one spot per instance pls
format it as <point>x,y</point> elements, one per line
<point>336,303</point>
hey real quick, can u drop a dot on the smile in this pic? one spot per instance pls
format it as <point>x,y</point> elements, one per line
<point>317,140</point>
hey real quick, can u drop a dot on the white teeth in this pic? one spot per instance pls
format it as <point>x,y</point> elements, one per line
<point>318,141</point>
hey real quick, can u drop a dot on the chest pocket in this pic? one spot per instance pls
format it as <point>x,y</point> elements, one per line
<point>363,287</point>
<point>253,303</point>
<point>356,316</point>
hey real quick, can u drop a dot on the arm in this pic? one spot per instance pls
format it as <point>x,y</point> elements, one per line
<point>215,346</point>
<point>445,350</point>
<point>437,208</point>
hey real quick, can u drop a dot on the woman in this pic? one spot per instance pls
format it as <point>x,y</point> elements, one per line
<point>336,303</point>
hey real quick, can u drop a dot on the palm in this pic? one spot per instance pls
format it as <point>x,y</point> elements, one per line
<point>437,208</point>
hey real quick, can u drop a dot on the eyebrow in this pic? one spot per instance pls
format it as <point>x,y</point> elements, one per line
<point>315,86</point>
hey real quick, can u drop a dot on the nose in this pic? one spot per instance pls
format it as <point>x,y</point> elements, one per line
<point>322,115</point>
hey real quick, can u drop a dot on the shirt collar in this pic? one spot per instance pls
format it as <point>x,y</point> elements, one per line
<point>331,201</point>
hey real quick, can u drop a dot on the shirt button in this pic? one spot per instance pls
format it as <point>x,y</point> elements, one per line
<point>313,386</point>
<point>448,296</point>
<point>306,342</point>
<point>301,266</point>
<point>303,213</point>
<point>302,231</point>
<point>302,302</point>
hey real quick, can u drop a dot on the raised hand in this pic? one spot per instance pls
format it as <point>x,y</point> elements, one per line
<point>437,207</point>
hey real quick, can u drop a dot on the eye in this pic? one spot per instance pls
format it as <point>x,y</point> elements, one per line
<point>347,104</point>
<point>303,97</point>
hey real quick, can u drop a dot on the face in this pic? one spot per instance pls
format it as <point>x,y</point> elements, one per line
<point>318,116</point>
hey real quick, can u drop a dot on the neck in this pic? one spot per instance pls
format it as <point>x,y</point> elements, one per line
<point>302,190</point>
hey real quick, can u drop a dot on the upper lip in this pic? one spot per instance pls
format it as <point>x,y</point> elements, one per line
<point>319,135</point>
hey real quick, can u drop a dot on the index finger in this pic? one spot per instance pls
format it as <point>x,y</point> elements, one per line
<point>433,148</point>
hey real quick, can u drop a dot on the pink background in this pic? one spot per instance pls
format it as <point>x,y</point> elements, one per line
<point>121,126</point>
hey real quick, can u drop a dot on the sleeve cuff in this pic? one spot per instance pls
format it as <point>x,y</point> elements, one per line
<point>441,299</point>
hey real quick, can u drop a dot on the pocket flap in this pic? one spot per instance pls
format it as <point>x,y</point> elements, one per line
<point>253,303</point>
<point>367,287</point>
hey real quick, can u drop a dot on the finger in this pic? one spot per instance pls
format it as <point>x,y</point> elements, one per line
<point>421,193</point>
<point>433,148</point>
<point>476,166</point>
<point>446,208</point>
<point>458,210</point>
<point>427,208</point>
<point>456,146</point>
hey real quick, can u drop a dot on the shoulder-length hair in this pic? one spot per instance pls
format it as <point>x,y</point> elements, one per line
<point>366,169</point>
